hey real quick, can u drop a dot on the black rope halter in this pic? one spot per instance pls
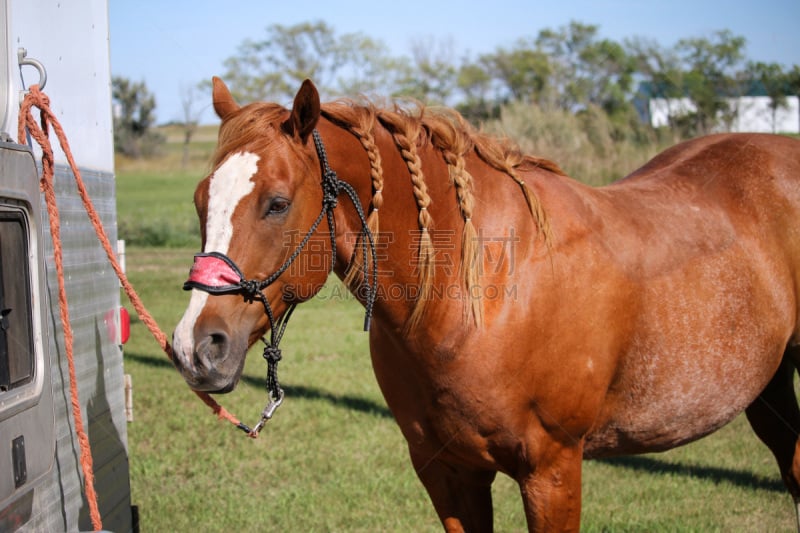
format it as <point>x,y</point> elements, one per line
<point>253,289</point>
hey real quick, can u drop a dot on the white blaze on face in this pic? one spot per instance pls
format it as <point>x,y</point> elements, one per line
<point>228,185</point>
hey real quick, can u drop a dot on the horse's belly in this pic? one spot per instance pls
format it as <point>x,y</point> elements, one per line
<point>707,342</point>
<point>667,396</point>
<point>668,417</point>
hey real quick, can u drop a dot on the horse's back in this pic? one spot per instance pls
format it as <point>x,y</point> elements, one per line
<point>747,185</point>
<point>715,153</point>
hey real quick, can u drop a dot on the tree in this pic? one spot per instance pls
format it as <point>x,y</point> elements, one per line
<point>433,74</point>
<point>475,84</point>
<point>585,69</point>
<point>190,118</point>
<point>775,83</point>
<point>710,78</point>
<point>369,69</point>
<point>134,117</point>
<point>660,70</point>
<point>607,72</point>
<point>793,80</point>
<point>273,68</point>
<point>521,73</point>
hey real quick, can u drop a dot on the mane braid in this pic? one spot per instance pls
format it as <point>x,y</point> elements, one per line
<point>506,157</point>
<point>360,121</point>
<point>449,134</point>
<point>405,131</point>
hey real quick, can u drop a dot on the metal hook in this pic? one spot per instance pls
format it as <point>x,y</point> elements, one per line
<point>267,413</point>
<point>23,59</point>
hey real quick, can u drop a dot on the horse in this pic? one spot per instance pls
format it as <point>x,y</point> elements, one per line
<point>519,321</point>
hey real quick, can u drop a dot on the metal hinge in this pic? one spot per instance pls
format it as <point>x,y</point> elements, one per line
<point>128,398</point>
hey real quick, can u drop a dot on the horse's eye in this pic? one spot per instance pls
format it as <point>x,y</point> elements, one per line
<point>278,206</point>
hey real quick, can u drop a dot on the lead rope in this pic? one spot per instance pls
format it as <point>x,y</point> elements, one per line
<point>46,185</point>
<point>27,124</point>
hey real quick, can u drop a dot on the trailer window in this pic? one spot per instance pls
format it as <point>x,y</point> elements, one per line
<point>16,339</point>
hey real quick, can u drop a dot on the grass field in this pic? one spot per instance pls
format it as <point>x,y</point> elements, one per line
<point>333,459</point>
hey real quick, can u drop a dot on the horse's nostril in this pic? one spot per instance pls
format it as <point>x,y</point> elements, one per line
<point>212,349</point>
<point>218,338</point>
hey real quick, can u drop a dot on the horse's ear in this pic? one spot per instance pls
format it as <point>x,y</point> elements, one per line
<point>224,103</point>
<point>305,112</point>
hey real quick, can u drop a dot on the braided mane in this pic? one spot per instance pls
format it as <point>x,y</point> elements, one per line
<point>444,129</point>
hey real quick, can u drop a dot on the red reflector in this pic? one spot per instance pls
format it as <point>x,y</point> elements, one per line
<point>124,325</point>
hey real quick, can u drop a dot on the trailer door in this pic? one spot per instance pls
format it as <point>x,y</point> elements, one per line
<point>27,428</point>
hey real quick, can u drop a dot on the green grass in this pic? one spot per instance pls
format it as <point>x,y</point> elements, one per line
<point>157,210</point>
<point>155,197</point>
<point>333,459</point>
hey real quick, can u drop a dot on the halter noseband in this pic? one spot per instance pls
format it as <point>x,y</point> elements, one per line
<point>216,273</point>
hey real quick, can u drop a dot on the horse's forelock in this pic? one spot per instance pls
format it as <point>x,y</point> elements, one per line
<point>248,126</point>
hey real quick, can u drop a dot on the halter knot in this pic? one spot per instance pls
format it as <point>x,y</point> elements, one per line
<point>330,190</point>
<point>272,354</point>
<point>250,287</point>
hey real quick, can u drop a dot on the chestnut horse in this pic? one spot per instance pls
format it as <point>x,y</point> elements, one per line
<point>522,321</point>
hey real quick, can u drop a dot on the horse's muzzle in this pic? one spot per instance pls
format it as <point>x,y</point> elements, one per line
<point>211,363</point>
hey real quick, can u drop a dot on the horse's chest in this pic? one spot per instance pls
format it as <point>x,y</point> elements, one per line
<point>450,412</point>
<point>461,428</point>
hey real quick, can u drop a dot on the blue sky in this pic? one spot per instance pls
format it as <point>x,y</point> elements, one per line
<point>173,44</point>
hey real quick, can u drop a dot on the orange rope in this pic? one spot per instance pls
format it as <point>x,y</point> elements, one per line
<point>36,98</point>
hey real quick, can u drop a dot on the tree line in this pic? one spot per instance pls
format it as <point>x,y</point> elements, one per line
<point>567,69</point>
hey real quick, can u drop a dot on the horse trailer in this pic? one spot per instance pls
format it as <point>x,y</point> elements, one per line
<point>65,47</point>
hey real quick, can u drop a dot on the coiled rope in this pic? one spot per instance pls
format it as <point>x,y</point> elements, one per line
<point>36,98</point>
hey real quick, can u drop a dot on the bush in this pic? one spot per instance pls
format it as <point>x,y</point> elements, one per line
<point>589,146</point>
<point>160,232</point>
<point>148,145</point>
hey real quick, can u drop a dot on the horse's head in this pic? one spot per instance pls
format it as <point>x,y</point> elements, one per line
<point>255,207</point>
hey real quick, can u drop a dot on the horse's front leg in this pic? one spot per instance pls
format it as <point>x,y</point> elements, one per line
<point>462,497</point>
<point>551,487</point>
